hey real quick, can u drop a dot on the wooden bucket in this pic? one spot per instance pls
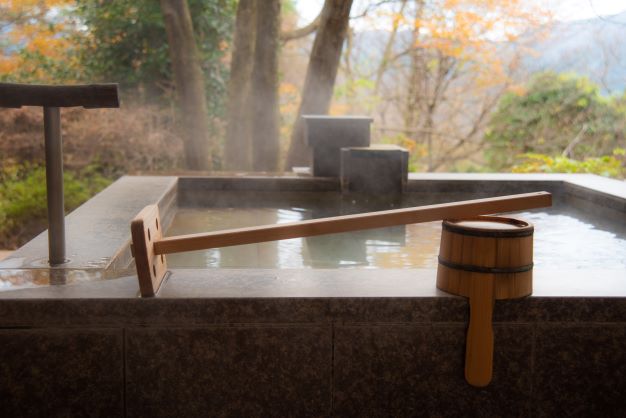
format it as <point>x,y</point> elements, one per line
<point>484,258</point>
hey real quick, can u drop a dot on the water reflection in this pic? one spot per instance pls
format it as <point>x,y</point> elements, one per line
<point>559,239</point>
<point>11,279</point>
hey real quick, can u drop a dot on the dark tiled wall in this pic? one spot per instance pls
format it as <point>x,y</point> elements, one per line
<point>326,369</point>
<point>61,372</point>
<point>417,370</point>
<point>233,371</point>
<point>580,370</point>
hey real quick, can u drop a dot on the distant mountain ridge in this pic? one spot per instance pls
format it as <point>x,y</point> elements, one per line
<point>592,47</point>
<point>595,48</point>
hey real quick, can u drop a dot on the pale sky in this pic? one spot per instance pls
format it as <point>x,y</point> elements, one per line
<point>563,9</point>
<point>585,9</point>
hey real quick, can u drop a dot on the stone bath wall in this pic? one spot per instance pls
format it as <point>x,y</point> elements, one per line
<point>318,356</point>
<point>307,342</point>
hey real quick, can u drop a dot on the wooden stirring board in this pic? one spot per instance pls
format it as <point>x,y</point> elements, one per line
<point>149,246</point>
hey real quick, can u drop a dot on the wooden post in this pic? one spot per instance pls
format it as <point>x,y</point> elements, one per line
<point>54,184</point>
<point>52,98</point>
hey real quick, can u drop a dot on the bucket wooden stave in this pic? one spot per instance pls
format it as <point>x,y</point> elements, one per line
<point>484,258</point>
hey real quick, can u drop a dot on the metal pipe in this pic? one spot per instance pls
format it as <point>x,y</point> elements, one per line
<point>54,184</point>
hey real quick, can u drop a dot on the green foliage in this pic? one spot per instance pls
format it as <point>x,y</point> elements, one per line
<point>356,95</point>
<point>606,165</point>
<point>126,42</point>
<point>555,111</point>
<point>42,68</point>
<point>35,43</point>
<point>23,210</point>
<point>288,7</point>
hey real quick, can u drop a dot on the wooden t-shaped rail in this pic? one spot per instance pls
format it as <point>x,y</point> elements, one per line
<point>149,246</point>
<point>52,98</point>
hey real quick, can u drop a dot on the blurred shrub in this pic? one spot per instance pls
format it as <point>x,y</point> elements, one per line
<point>417,151</point>
<point>555,112</point>
<point>36,41</point>
<point>122,41</point>
<point>23,210</point>
<point>119,141</point>
<point>125,41</point>
<point>606,165</point>
<point>99,146</point>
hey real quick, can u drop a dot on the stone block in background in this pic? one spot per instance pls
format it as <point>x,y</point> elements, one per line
<point>326,135</point>
<point>379,169</point>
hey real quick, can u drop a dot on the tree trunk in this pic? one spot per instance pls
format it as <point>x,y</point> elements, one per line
<point>301,32</point>
<point>388,51</point>
<point>321,74</point>
<point>238,143</point>
<point>189,82</point>
<point>264,92</point>
<point>416,86</point>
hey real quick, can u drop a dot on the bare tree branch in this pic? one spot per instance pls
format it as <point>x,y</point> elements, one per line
<point>286,36</point>
<point>579,136</point>
<point>371,7</point>
<point>385,61</point>
<point>416,131</point>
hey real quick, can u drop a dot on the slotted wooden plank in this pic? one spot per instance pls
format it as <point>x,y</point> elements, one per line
<point>145,229</point>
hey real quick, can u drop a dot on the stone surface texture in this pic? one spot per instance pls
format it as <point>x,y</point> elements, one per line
<point>378,170</point>
<point>303,342</point>
<point>229,371</point>
<point>305,356</point>
<point>417,370</point>
<point>580,370</point>
<point>326,135</point>
<point>56,372</point>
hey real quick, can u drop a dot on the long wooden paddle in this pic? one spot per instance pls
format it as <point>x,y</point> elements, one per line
<point>149,247</point>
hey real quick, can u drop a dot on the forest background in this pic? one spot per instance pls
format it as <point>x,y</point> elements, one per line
<point>219,85</point>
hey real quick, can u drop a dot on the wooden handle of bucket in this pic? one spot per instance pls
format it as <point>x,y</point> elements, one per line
<point>479,349</point>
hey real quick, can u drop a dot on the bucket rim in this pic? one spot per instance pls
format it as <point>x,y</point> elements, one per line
<point>519,227</point>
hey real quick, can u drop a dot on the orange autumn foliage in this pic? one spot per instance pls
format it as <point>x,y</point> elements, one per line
<point>470,31</point>
<point>37,40</point>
